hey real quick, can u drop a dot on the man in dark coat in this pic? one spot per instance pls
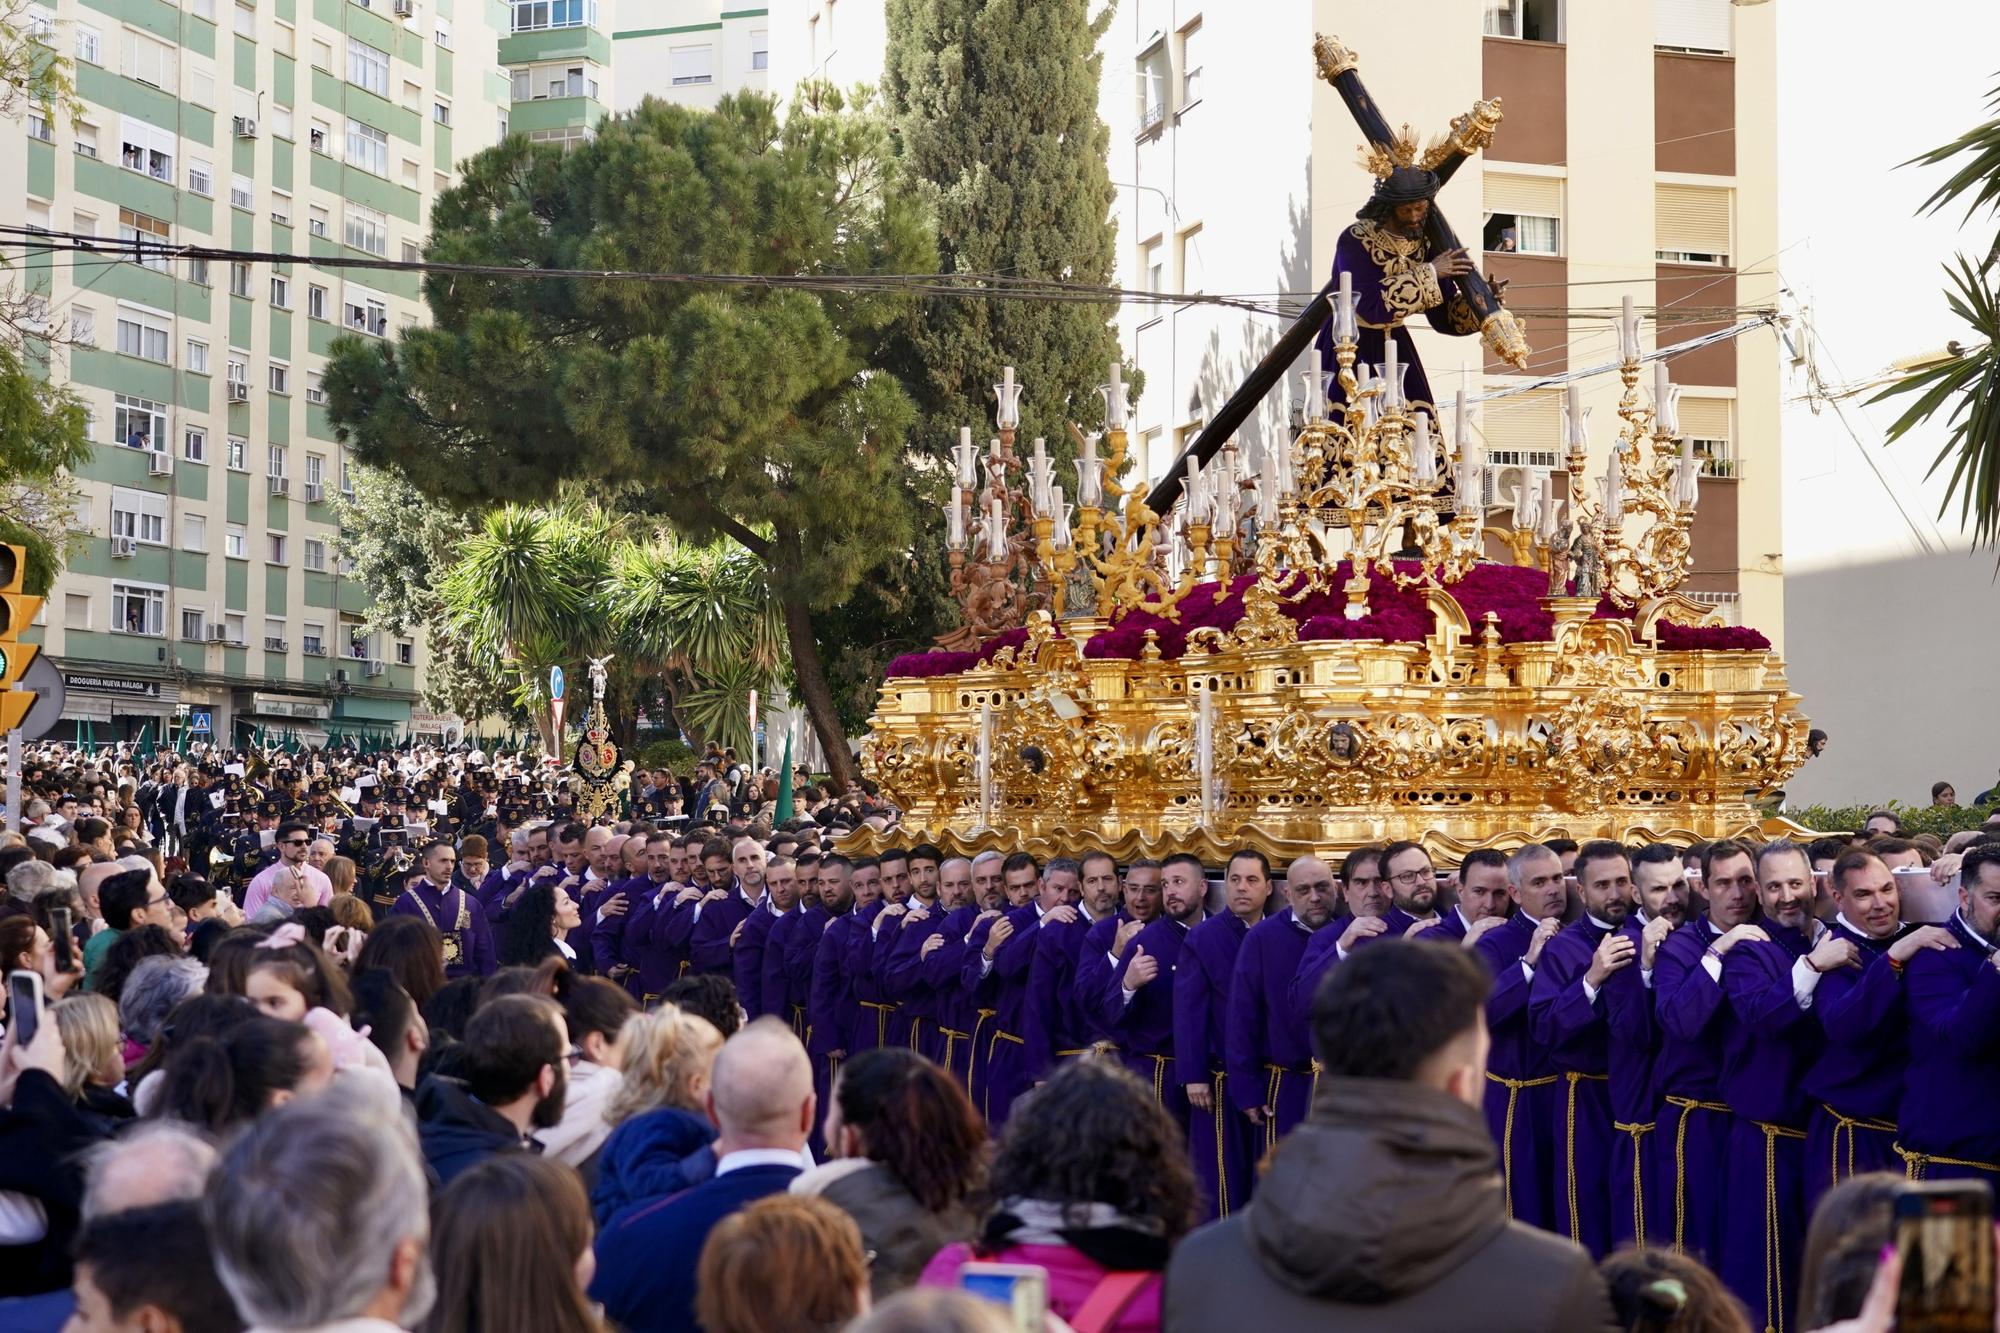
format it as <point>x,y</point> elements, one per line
<point>1417,1235</point>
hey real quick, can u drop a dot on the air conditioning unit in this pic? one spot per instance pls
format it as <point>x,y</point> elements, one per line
<point>239,391</point>
<point>281,485</point>
<point>246,126</point>
<point>1505,480</point>
<point>218,634</point>
<point>315,492</point>
<point>124,548</point>
<point>159,465</point>
<point>374,667</point>
<point>406,8</point>
<point>340,675</point>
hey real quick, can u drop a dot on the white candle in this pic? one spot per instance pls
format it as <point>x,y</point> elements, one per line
<point>1628,330</point>
<point>1267,490</point>
<point>1007,378</point>
<point>1343,329</point>
<point>1197,501</point>
<point>1662,384</point>
<point>1461,421</point>
<point>1548,533</point>
<point>1038,477</point>
<point>1114,407</point>
<point>1391,395</point>
<point>1316,387</point>
<point>1089,491</point>
<point>1423,452</point>
<point>993,447</point>
<point>1614,492</point>
<point>1575,402</point>
<point>955,521</point>
<point>996,531</point>
<point>1669,415</point>
<point>1059,510</point>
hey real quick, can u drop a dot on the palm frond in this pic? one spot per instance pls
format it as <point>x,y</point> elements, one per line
<point>1968,387</point>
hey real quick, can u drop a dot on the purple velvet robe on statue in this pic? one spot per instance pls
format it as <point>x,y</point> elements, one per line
<point>1220,1143</point>
<point>1393,281</point>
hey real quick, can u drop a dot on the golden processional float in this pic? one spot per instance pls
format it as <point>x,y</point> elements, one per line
<point>1314,653</point>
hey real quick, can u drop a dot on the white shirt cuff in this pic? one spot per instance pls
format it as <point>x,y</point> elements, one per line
<point>1646,977</point>
<point>1804,982</point>
<point>1127,994</point>
<point>697,909</point>
<point>1712,965</point>
<point>985,965</point>
<point>1590,993</point>
<point>1340,954</point>
<point>1527,972</point>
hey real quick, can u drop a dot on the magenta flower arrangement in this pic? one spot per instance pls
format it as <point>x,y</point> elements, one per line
<point>1395,615</point>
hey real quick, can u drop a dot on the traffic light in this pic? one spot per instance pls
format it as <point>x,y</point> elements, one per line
<point>17,612</point>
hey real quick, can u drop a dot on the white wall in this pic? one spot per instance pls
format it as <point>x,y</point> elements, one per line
<point>1891,628</point>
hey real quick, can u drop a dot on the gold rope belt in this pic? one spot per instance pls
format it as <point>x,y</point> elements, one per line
<point>1847,1124</point>
<point>1680,1163</point>
<point>1273,1088</point>
<point>1774,1278</point>
<point>1159,1075</point>
<point>1914,1162</point>
<point>1217,1109</point>
<point>1638,1133</point>
<point>1513,1086</point>
<point>992,1044</point>
<point>882,1012</point>
<point>1569,1158</point>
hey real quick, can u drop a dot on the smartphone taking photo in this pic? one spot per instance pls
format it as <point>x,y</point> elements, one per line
<point>24,1004</point>
<point>1944,1232</point>
<point>1020,1289</point>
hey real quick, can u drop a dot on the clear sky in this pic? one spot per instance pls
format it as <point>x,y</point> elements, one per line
<point>1862,88</point>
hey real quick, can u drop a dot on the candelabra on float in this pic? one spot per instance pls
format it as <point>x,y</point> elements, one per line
<point>992,580</point>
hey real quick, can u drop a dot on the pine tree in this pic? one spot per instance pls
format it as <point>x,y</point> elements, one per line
<point>749,410</point>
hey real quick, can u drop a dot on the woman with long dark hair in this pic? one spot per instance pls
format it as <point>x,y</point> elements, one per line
<point>536,925</point>
<point>911,1150</point>
<point>1091,1178</point>
<point>510,1245</point>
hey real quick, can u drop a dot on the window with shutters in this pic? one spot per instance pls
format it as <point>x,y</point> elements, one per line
<point>1692,224</point>
<point>149,60</point>
<point>1523,430</point>
<point>1706,423</point>
<point>1523,214</point>
<point>1692,25</point>
<point>691,64</point>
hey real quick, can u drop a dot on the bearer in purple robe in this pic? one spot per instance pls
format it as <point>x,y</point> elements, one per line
<point>1773,984</point>
<point>1949,1129</point>
<point>937,1009</point>
<point>713,934</point>
<point>1520,1079</point>
<point>1267,1056</point>
<point>905,900</point>
<point>1482,900</point>
<point>753,937</point>
<point>1639,1216</point>
<point>871,1012</point>
<point>1220,1141</point>
<point>997,960</point>
<point>1855,1087</point>
<point>829,1001</point>
<point>1695,1024</point>
<point>1569,1013</point>
<point>1396,901</point>
<point>795,943</point>
<point>1142,987</point>
<point>1055,1029</point>
<point>1395,278</point>
<point>1095,1000</point>
<point>455,914</point>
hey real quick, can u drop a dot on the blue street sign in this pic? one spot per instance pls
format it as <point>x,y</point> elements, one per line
<point>200,722</point>
<point>555,682</point>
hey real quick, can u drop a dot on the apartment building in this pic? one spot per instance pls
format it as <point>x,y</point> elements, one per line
<point>1637,157</point>
<point>208,592</point>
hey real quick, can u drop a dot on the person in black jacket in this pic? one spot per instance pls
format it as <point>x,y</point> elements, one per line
<point>42,1134</point>
<point>516,1063</point>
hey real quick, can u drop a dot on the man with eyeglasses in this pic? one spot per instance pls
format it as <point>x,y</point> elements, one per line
<point>1587,971</point>
<point>1695,1025</point>
<point>129,899</point>
<point>1390,894</point>
<point>291,878</point>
